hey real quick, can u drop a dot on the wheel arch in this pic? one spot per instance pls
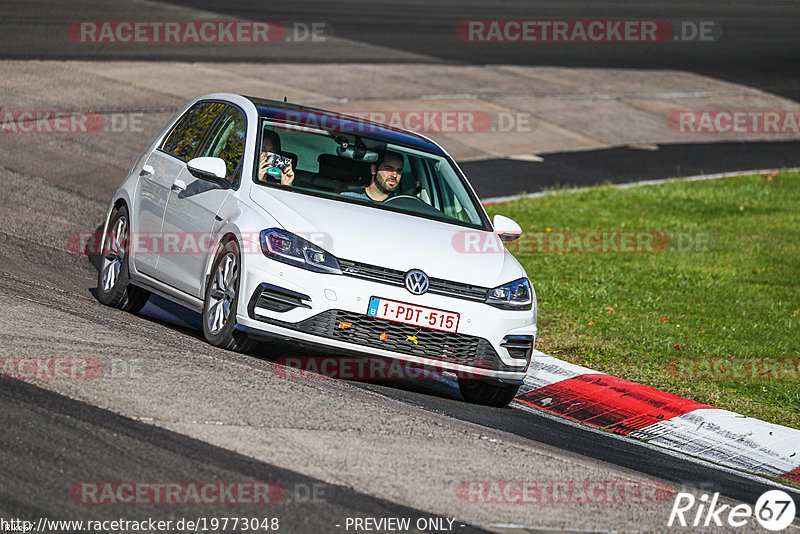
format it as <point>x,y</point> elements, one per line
<point>226,236</point>
<point>119,200</point>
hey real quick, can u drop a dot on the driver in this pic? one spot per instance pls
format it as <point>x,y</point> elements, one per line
<point>385,178</point>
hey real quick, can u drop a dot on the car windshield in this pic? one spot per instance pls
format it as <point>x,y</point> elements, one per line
<point>341,166</point>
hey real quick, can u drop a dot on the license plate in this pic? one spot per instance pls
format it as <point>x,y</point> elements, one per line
<point>402,312</point>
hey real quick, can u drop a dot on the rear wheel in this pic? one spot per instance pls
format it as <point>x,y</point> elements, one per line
<point>487,393</point>
<point>113,277</point>
<point>219,305</point>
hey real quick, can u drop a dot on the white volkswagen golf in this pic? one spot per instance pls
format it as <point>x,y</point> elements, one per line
<point>277,220</point>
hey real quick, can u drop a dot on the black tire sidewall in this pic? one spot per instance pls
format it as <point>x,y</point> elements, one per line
<point>487,393</point>
<point>225,337</point>
<point>116,295</point>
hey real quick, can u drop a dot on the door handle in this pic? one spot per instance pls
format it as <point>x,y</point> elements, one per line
<point>179,184</point>
<point>147,170</point>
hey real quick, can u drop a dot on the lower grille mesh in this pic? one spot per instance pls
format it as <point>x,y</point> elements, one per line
<point>367,331</point>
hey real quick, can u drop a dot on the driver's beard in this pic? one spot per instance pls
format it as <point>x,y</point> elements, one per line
<point>382,187</point>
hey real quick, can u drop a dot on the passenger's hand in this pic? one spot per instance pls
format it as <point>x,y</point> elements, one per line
<point>262,167</point>
<point>287,176</point>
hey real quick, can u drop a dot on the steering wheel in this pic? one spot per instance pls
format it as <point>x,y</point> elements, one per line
<point>402,198</point>
<point>412,203</point>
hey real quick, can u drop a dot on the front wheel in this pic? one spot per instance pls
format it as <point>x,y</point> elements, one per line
<point>487,393</point>
<point>219,305</point>
<point>113,277</point>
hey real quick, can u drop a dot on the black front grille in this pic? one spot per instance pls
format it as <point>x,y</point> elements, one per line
<point>394,277</point>
<point>367,331</point>
<point>372,272</point>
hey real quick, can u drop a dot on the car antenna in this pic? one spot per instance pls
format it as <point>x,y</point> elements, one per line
<point>284,99</point>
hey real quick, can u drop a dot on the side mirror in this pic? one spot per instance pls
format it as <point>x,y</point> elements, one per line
<point>507,229</point>
<point>212,169</point>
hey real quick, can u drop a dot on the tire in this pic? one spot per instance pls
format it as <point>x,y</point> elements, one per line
<point>113,277</point>
<point>486,393</point>
<point>220,301</point>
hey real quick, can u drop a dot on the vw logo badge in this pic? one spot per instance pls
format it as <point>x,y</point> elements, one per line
<point>416,281</point>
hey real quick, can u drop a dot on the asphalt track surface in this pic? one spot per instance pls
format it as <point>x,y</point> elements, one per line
<point>443,397</point>
<point>51,440</point>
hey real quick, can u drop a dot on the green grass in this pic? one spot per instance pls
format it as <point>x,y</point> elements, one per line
<point>737,298</point>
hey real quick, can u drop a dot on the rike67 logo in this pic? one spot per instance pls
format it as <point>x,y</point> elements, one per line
<point>774,510</point>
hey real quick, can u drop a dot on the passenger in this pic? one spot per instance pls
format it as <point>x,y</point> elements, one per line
<point>270,142</point>
<point>385,178</point>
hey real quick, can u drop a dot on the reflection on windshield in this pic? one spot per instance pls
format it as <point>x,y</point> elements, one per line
<point>361,169</point>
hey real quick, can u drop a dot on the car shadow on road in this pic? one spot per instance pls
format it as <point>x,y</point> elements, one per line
<point>294,360</point>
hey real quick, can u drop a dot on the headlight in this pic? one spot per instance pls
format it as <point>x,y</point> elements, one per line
<point>517,295</point>
<point>286,247</point>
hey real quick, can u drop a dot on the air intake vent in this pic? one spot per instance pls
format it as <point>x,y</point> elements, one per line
<point>276,299</point>
<point>518,347</point>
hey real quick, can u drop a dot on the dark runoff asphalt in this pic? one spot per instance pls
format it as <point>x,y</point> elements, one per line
<point>58,442</point>
<point>625,165</point>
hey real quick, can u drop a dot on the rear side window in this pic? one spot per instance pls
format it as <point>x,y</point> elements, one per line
<point>185,138</point>
<point>227,142</point>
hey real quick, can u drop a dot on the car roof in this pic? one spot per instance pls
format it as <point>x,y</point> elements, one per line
<point>341,123</point>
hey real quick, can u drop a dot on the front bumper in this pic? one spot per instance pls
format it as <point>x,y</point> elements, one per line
<point>324,302</point>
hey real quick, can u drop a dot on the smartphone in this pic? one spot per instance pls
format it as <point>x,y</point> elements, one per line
<point>276,164</point>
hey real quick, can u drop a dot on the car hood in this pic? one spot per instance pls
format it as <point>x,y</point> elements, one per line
<point>393,240</point>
